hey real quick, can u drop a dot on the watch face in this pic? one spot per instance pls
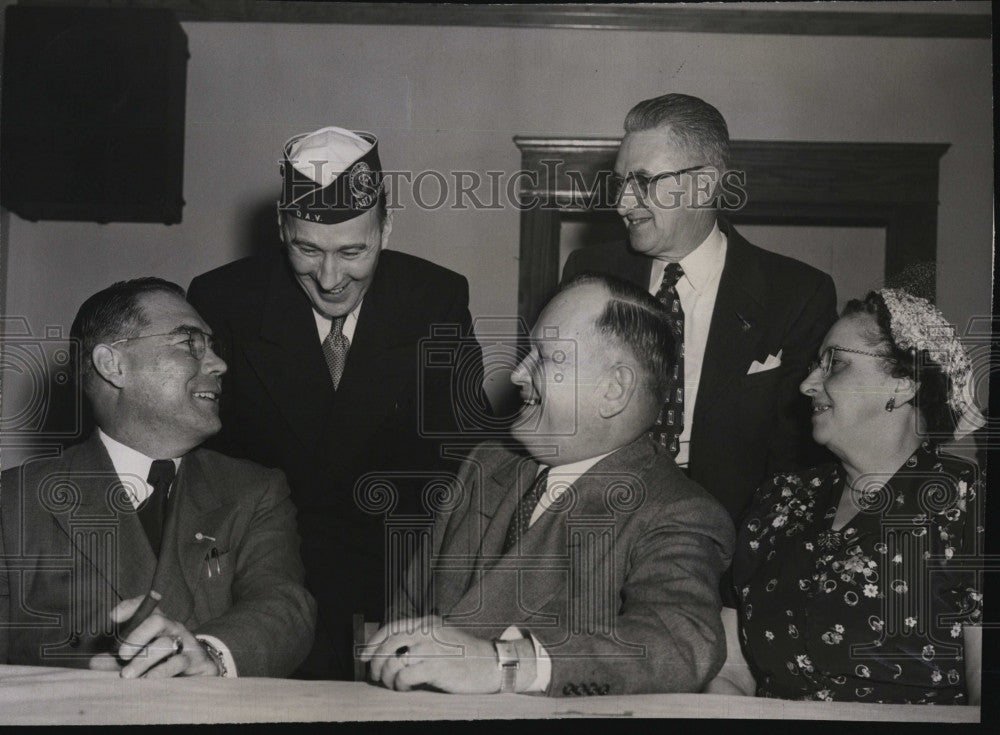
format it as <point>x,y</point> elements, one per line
<point>506,653</point>
<point>508,663</point>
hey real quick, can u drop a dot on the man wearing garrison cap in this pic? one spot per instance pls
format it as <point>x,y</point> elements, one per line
<point>327,376</point>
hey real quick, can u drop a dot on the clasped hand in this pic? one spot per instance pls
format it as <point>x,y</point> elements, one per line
<point>158,648</point>
<point>424,652</point>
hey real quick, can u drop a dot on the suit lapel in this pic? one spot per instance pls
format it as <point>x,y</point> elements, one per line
<point>501,491</point>
<point>195,509</point>
<point>480,534</point>
<point>631,266</point>
<point>574,537</point>
<point>493,572</point>
<point>377,353</point>
<point>289,358</point>
<point>128,569</point>
<point>736,327</point>
<point>549,548</point>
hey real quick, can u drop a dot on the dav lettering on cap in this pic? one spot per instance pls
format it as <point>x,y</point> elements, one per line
<point>330,175</point>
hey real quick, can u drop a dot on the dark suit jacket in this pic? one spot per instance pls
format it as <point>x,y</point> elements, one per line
<point>72,547</point>
<point>620,585</point>
<point>394,407</point>
<point>745,427</point>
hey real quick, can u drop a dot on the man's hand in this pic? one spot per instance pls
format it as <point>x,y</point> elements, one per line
<point>422,651</point>
<point>158,648</point>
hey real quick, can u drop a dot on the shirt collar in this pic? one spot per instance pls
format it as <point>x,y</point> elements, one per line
<point>323,323</point>
<point>567,474</point>
<point>706,260</point>
<point>129,462</point>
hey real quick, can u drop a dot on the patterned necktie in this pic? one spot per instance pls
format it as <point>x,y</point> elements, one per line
<point>153,509</point>
<point>670,423</point>
<point>335,350</point>
<point>525,507</point>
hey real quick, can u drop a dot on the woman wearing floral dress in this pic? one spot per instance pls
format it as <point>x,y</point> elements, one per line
<point>857,580</point>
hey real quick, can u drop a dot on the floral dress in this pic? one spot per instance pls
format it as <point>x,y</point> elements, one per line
<point>872,612</point>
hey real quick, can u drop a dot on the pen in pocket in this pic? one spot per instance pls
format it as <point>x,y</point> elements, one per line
<point>212,559</point>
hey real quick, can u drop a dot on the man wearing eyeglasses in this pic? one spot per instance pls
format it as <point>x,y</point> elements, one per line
<point>750,320</point>
<point>135,551</point>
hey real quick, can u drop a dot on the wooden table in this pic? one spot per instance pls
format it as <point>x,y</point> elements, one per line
<point>45,696</point>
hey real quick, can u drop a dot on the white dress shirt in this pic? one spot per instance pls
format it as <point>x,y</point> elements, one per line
<point>557,483</point>
<point>324,324</point>
<point>132,468</point>
<point>697,289</point>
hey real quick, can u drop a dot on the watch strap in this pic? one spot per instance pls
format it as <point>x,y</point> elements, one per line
<point>216,655</point>
<point>508,663</point>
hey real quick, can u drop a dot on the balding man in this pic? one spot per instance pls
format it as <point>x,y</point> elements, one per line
<point>582,560</point>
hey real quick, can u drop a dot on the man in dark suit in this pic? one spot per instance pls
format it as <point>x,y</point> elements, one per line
<point>350,365</point>
<point>750,320</point>
<point>582,562</point>
<point>137,514</point>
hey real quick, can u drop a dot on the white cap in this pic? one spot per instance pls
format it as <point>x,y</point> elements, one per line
<point>336,147</point>
<point>330,175</point>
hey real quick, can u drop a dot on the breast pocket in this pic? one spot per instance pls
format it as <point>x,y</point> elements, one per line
<point>758,395</point>
<point>764,377</point>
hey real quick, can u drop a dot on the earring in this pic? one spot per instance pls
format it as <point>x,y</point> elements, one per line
<point>890,404</point>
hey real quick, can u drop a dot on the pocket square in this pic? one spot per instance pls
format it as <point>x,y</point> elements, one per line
<point>770,363</point>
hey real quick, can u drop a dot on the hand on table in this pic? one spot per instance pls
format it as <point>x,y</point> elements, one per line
<point>158,648</point>
<point>422,651</point>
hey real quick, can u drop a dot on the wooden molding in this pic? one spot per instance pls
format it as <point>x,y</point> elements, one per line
<point>622,17</point>
<point>890,185</point>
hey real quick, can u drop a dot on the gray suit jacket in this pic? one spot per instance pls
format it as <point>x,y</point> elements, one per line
<point>620,584</point>
<point>72,547</point>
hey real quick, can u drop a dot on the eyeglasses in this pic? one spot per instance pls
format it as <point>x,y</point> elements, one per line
<point>617,184</point>
<point>197,341</point>
<point>825,361</point>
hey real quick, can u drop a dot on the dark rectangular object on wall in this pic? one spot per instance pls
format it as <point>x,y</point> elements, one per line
<point>93,114</point>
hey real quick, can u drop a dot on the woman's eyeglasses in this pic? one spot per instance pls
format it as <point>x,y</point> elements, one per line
<point>825,361</point>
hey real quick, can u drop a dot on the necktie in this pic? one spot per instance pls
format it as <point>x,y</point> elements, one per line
<point>525,507</point>
<point>335,350</point>
<point>670,422</point>
<point>153,510</point>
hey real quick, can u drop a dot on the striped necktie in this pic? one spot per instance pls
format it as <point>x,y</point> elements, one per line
<point>525,507</point>
<point>670,423</point>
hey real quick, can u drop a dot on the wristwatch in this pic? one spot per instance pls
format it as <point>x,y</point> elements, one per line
<point>216,655</point>
<point>508,663</point>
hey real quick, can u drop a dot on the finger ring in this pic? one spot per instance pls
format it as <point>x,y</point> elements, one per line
<point>177,643</point>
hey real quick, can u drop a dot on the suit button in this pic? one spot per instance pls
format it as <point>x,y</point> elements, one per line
<point>74,641</point>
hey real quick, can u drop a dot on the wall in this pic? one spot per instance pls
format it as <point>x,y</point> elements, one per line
<point>452,98</point>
